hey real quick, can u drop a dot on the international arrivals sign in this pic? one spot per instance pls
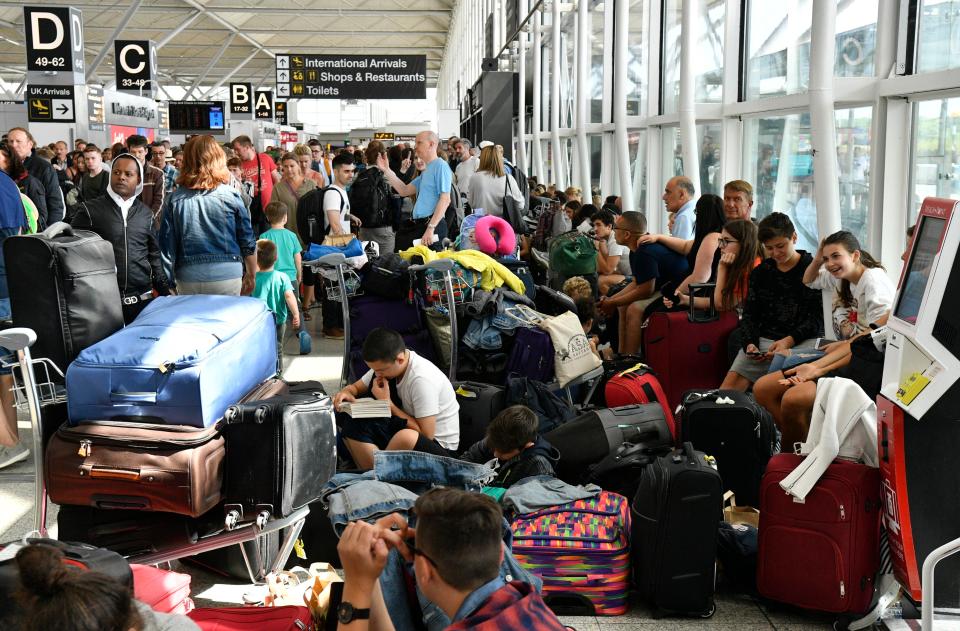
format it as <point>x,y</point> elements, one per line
<point>351,76</point>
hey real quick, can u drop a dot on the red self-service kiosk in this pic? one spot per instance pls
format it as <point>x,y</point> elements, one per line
<point>918,410</point>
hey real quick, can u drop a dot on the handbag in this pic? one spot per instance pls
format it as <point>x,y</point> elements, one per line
<point>511,213</point>
<point>574,357</point>
<point>573,254</point>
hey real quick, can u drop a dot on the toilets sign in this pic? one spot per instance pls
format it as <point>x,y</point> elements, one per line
<point>54,39</point>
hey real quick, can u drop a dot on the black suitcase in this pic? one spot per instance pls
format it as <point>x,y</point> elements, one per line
<point>621,470</point>
<point>741,436</point>
<point>126,532</point>
<point>676,513</point>
<point>594,435</point>
<point>479,403</point>
<point>553,302</point>
<point>63,285</point>
<point>319,539</point>
<point>280,453</point>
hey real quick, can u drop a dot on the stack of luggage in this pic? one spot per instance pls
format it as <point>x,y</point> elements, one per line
<point>178,427</point>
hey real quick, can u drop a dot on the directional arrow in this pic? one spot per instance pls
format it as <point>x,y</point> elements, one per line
<point>282,62</point>
<point>63,109</point>
<point>282,76</point>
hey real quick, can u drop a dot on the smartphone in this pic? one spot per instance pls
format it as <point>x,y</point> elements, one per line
<point>755,353</point>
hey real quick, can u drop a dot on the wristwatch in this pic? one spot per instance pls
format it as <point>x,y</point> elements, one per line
<point>432,226</point>
<point>347,614</point>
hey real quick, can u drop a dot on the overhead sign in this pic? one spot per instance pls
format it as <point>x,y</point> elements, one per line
<point>383,135</point>
<point>54,39</point>
<point>163,119</point>
<point>263,105</point>
<point>95,111</point>
<point>280,112</point>
<point>50,104</point>
<point>136,66</point>
<point>352,76</point>
<point>241,98</point>
<point>123,108</point>
<point>288,136</point>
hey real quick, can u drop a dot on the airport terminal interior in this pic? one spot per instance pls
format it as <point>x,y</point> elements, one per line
<point>667,287</point>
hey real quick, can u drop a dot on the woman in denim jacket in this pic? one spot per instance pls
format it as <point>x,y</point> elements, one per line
<point>207,245</point>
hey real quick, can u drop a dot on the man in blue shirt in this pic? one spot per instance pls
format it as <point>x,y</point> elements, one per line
<point>678,197</point>
<point>432,189</point>
<point>652,265</point>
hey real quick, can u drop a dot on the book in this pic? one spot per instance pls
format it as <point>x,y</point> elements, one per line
<point>366,408</point>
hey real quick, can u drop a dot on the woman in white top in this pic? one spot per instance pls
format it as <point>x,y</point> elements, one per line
<point>861,294</point>
<point>491,183</point>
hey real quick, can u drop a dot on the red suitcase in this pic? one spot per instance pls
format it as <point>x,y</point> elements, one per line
<point>162,590</point>
<point>288,618</point>
<point>833,535</point>
<point>638,385</point>
<point>687,355</point>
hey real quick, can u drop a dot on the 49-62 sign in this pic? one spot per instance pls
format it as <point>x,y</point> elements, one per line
<point>54,39</point>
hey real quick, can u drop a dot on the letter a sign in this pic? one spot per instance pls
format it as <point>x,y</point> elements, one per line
<point>54,39</point>
<point>263,105</point>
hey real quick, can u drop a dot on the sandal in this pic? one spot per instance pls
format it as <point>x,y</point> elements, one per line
<point>306,315</point>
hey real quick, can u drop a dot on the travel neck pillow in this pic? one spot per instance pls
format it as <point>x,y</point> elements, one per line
<point>495,236</point>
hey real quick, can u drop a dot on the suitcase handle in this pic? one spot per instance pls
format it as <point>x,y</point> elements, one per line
<point>57,229</point>
<point>115,474</point>
<point>133,397</point>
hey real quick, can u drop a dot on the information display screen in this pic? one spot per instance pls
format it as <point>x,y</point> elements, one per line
<point>187,116</point>
<point>925,247</point>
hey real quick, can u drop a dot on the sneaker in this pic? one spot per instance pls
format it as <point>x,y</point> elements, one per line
<point>12,455</point>
<point>333,333</point>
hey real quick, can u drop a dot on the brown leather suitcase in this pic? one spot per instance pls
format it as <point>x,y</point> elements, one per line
<point>141,466</point>
<point>114,464</point>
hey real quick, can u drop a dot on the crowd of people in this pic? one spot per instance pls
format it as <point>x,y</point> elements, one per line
<point>209,218</point>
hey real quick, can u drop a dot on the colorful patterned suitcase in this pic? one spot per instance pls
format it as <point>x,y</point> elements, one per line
<point>581,550</point>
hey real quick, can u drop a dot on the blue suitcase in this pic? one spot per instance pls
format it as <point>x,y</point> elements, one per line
<point>183,361</point>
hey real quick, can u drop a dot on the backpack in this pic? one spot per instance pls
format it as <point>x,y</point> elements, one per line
<point>455,211</point>
<point>545,222</point>
<point>33,215</point>
<point>573,254</point>
<point>370,199</point>
<point>311,218</point>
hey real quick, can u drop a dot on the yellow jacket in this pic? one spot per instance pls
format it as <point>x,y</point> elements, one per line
<point>492,273</point>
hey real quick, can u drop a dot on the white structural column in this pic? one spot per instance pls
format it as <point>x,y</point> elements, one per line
<point>687,108</point>
<point>621,144</point>
<point>537,99</point>
<point>583,94</point>
<point>823,128</point>
<point>521,156</point>
<point>559,170</point>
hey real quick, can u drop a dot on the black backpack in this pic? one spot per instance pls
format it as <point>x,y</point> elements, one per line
<point>311,219</point>
<point>370,199</point>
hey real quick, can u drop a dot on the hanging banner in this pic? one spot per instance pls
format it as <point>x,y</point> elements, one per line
<point>54,39</point>
<point>352,76</point>
<point>280,112</point>
<point>136,67</point>
<point>241,100</point>
<point>263,105</point>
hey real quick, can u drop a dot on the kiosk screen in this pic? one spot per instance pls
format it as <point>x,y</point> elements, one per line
<point>925,247</point>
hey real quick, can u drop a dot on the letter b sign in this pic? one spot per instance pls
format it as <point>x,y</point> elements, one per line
<point>240,99</point>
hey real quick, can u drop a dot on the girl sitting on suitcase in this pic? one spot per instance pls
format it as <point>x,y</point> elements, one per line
<point>513,440</point>
<point>424,409</point>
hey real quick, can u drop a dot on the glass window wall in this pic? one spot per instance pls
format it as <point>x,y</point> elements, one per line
<point>939,35</point>
<point>936,151</point>
<point>856,38</point>
<point>778,41</point>
<point>853,158</point>
<point>707,59</point>
<point>708,138</point>
<point>568,66</point>
<point>637,143</point>
<point>637,58</point>
<point>599,49</point>
<point>596,160</point>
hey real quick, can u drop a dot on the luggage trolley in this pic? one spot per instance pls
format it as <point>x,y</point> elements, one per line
<point>446,294</point>
<point>37,383</point>
<point>344,283</point>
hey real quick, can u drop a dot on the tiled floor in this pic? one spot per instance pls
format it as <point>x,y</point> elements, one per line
<point>734,612</point>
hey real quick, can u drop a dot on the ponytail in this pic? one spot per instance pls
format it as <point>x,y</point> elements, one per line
<point>850,243</point>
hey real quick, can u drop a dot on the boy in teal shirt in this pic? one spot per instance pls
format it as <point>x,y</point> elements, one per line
<point>289,260</point>
<point>274,288</point>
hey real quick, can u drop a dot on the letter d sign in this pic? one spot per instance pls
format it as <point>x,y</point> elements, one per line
<point>53,34</point>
